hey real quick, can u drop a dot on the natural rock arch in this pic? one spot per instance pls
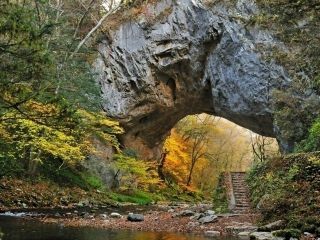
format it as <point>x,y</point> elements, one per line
<point>187,57</point>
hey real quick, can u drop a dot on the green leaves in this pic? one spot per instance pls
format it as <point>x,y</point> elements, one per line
<point>312,142</point>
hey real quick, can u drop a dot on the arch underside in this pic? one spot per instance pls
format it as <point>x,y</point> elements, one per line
<point>192,59</point>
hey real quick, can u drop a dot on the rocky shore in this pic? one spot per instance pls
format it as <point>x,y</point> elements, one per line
<point>176,218</point>
<point>160,218</point>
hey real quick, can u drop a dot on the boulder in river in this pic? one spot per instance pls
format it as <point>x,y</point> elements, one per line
<point>103,216</point>
<point>235,230</point>
<point>272,226</point>
<point>211,233</point>
<point>209,212</point>
<point>244,235</point>
<point>135,217</point>
<point>264,236</point>
<point>186,213</point>
<point>115,215</point>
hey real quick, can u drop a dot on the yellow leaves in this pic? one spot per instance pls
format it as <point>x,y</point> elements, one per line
<point>40,108</point>
<point>49,134</point>
<point>99,125</point>
<point>135,172</point>
<point>4,134</point>
<point>177,159</point>
<point>47,140</point>
<point>314,160</point>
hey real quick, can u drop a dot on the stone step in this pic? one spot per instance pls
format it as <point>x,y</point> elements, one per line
<point>241,193</point>
<point>241,197</point>
<point>241,210</point>
<point>242,200</point>
<point>242,205</point>
<point>244,194</point>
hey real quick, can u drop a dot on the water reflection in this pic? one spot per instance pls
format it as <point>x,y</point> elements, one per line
<point>19,229</point>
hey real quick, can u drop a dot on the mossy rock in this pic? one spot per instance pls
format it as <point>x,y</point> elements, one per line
<point>287,233</point>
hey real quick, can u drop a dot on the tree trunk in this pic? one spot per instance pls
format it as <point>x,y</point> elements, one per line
<point>161,165</point>
<point>190,174</point>
<point>33,162</point>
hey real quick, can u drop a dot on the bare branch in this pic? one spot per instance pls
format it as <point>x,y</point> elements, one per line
<point>93,30</point>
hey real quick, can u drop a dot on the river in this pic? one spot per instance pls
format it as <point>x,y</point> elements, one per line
<point>24,224</point>
<point>17,228</point>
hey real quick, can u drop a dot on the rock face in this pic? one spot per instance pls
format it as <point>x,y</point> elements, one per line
<point>186,57</point>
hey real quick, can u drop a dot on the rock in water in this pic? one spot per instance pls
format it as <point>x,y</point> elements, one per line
<point>115,215</point>
<point>263,236</point>
<point>135,217</point>
<point>244,235</point>
<point>186,213</point>
<point>212,233</point>
<point>103,216</point>
<point>272,226</point>
<point>209,212</point>
<point>208,219</point>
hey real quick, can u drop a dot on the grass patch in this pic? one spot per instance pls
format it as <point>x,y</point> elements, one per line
<point>138,197</point>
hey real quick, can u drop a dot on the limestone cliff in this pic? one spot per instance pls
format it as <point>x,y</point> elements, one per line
<point>186,57</point>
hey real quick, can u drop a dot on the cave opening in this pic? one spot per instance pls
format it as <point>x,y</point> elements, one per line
<point>201,147</point>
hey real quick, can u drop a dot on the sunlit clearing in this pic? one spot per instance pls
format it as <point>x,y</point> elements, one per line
<point>201,147</point>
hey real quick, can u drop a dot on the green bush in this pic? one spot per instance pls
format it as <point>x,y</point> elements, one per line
<point>287,233</point>
<point>10,167</point>
<point>312,142</point>
<point>69,176</point>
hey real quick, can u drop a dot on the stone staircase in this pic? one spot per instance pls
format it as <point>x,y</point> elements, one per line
<point>240,192</point>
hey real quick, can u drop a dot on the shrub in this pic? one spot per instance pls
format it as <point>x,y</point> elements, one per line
<point>288,188</point>
<point>312,142</point>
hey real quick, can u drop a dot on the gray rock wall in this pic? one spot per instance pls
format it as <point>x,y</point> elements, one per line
<point>186,57</point>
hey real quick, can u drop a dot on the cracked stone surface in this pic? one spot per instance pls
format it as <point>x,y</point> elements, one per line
<point>187,57</point>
